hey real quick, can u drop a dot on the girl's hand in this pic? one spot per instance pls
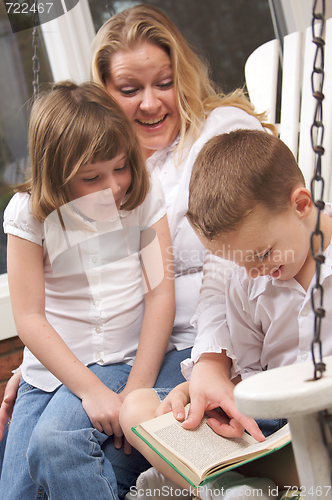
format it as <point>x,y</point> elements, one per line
<point>103,408</point>
<point>175,402</point>
<point>8,402</point>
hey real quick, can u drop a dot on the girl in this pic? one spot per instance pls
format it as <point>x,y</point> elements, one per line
<point>77,233</point>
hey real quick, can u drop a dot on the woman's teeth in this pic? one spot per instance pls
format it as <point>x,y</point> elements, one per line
<point>152,122</point>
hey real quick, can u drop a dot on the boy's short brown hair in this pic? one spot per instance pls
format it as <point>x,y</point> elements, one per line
<point>235,172</point>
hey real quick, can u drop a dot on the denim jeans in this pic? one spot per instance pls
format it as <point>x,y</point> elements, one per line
<point>66,455</point>
<point>15,480</point>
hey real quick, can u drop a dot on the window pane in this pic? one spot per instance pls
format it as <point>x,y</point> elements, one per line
<point>225,32</point>
<point>16,78</point>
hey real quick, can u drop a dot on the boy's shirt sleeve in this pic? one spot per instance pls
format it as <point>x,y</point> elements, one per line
<point>210,317</point>
<point>246,333</point>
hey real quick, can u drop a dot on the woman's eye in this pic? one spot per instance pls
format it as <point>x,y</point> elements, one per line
<point>166,85</point>
<point>128,92</point>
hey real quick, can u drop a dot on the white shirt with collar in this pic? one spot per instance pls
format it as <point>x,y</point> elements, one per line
<point>174,172</point>
<point>94,288</point>
<point>262,323</point>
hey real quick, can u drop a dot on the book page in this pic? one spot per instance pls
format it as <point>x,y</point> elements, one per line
<point>201,449</point>
<point>201,446</point>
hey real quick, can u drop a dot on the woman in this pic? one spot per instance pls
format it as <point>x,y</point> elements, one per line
<point>148,67</point>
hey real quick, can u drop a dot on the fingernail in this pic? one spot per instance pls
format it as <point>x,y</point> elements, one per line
<point>180,415</point>
<point>5,398</point>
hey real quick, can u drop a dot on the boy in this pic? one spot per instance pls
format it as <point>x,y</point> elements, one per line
<point>248,204</point>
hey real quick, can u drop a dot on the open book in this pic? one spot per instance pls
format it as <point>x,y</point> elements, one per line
<point>200,454</point>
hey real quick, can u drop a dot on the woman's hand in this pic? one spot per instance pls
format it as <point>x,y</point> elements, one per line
<point>7,405</point>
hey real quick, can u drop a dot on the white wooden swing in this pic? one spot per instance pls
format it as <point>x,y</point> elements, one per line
<point>291,391</point>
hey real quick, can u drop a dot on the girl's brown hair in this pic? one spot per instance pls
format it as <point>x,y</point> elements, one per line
<point>196,94</point>
<point>71,125</point>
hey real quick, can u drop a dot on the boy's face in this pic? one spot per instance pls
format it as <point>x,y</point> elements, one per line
<point>266,244</point>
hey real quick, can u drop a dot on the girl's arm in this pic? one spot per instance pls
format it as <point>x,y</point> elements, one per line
<point>159,312</point>
<point>27,291</point>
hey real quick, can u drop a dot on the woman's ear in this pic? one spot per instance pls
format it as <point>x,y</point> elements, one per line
<point>302,202</point>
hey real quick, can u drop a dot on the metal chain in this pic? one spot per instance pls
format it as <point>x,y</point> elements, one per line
<point>35,45</point>
<point>317,135</point>
<point>109,9</point>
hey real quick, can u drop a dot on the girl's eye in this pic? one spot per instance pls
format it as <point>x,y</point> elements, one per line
<point>166,85</point>
<point>92,179</point>
<point>264,256</point>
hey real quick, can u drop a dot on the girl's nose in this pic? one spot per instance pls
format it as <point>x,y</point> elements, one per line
<point>111,186</point>
<point>150,101</point>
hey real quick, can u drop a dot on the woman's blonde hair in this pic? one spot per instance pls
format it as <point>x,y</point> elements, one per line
<point>196,94</point>
<point>71,125</point>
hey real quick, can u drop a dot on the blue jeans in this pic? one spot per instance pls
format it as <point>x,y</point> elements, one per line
<point>66,455</point>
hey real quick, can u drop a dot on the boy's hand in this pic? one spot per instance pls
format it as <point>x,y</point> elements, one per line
<point>210,388</point>
<point>175,402</point>
<point>8,402</point>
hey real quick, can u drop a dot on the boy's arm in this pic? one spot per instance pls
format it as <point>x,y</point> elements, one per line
<point>27,291</point>
<point>210,388</point>
<point>158,315</point>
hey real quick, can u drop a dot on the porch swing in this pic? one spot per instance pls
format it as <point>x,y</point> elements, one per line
<point>293,391</point>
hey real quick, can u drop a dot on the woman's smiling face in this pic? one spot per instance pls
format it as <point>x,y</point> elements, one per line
<point>141,81</point>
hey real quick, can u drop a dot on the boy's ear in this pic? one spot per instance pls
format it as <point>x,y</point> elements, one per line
<point>302,202</point>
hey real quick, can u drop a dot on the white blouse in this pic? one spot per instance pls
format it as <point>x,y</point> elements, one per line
<point>94,289</point>
<point>174,174</point>
<point>270,322</point>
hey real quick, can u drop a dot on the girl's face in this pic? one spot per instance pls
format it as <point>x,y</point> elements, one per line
<point>142,83</point>
<point>98,189</point>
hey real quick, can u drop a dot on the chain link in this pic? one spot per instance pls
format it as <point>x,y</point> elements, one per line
<point>109,9</point>
<point>35,45</point>
<point>317,135</point>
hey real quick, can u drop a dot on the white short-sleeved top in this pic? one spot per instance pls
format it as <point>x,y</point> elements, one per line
<point>94,290</point>
<point>270,322</point>
<point>174,173</point>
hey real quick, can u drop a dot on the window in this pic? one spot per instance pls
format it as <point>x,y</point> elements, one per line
<point>225,33</point>
<point>16,78</point>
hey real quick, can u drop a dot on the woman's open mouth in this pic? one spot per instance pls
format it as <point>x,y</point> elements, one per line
<point>152,123</point>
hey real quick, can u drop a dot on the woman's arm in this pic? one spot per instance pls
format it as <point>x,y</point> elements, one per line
<point>27,291</point>
<point>159,311</point>
<point>7,405</point>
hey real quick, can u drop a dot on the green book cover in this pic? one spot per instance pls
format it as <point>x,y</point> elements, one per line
<point>199,455</point>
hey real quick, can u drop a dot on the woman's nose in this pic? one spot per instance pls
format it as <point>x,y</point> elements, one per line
<point>150,101</point>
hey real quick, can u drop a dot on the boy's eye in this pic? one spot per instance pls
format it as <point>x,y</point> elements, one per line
<point>264,256</point>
